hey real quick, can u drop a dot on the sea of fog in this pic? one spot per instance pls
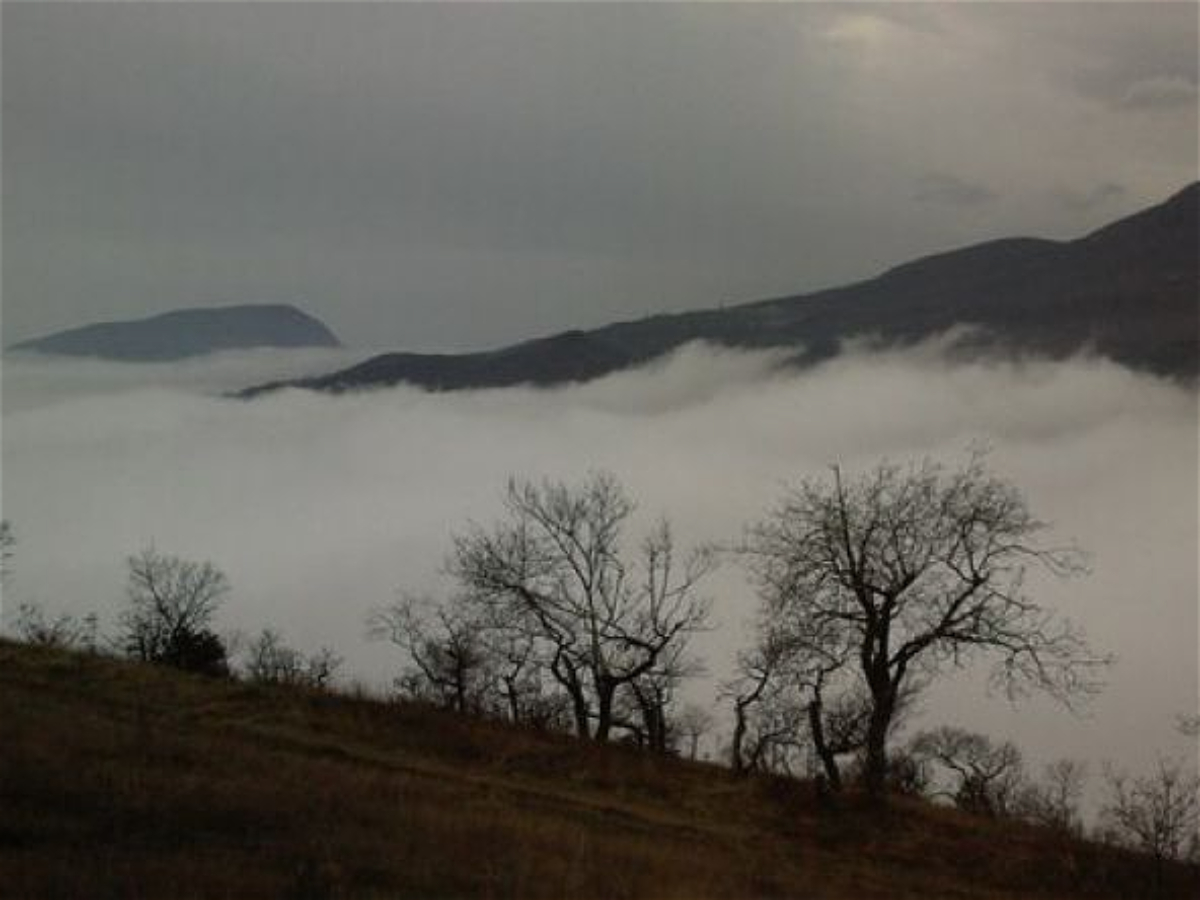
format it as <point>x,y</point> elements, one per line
<point>320,508</point>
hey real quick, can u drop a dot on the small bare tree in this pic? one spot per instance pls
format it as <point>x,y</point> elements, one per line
<point>694,723</point>
<point>269,660</point>
<point>7,541</point>
<point>988,775</point>
<point>556,568</point>
<point>172,602</point>
<point>1158,814</point>
<point>917,570</point>
<point>445,643</point>
<point>64,630</point>
<point>1053,800</point>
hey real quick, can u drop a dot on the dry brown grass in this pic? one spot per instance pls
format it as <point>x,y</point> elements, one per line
<point>123,781</point>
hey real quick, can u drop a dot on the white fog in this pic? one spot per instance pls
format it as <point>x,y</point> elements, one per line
<point>320,507</point>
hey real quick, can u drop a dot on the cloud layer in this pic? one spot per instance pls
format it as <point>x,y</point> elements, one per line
<point>320,507</point>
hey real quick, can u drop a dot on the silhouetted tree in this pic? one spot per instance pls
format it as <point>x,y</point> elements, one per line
<point>988,775</point>
<point>555,567</point>
<point>694,722</point>
<point>172,601</point>
<point>1158,814</point>
<point>912,570</point>
<point>445,645</point>
<point>7,541</point>
<point>1053,800</point>
<point>269,660</point>
<point>64,630</point>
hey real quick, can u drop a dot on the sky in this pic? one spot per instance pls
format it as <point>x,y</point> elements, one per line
<point>460,176</point>
<point>321,508</point>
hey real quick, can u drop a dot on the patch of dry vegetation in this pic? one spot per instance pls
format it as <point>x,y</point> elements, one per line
<point>120,780</point>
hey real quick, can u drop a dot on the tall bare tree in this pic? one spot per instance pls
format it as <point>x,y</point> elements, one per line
<point>557,568</point>
<point>914,570</point>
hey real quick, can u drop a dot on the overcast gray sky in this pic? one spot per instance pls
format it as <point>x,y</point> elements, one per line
<point>454,176</point>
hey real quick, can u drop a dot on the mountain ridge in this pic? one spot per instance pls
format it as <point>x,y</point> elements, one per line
<point>188,332</point>
<point>1126,290</point>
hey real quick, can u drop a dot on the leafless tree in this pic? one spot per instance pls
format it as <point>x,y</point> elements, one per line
<point>444,642</point>
<point>270,660</point>
<point>916,569</point>
<point>555,567</point>
<point>652,698</point>
<point>1158,814</point>
<point>1053,800</point>
<point>172,602</point>
<point>798,688</point>
<point>988,775</point>
<point>694,722</point>
<point>64,630</point>
<point>768,708</point>
<point>7,541</point>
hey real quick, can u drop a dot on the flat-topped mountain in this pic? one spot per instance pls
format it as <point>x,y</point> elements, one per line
<point>188,332</point>
<point>1127,291</point>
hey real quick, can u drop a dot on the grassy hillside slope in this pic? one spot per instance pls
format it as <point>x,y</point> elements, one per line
<point>124,781</point>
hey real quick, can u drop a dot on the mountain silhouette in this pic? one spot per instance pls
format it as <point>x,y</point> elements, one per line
<point>188,332</point>
<point>1127,291</point>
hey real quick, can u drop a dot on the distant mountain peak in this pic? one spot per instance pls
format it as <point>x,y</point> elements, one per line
<point>194,331</point>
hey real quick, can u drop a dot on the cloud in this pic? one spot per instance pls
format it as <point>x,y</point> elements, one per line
<point>1085,201</point>
<point>320,507</point>
<point>950,190</point>
<point>1163,92</point>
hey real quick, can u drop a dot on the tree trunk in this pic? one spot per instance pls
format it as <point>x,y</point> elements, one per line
<point>579,708</point>
<point>606,689</point>
<point>875,766</point>
<point>512,694</point>
<point>828,759</point>
<point>737,761</point>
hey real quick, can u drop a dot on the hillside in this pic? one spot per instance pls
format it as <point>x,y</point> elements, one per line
<point>119,780</point>
<point>1128,291</point>
<point>188,332</point>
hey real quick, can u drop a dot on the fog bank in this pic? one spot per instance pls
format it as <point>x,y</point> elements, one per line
<point>319,508</point>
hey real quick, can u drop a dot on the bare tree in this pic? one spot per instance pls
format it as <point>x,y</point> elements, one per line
<point>65,630</point>
<point>916,569</point>
<point>988,775</point>
<point>1158,814</point>
<point>269,660</point>
<point>556,567</point>
<point>800,676</point>
<point>172,602</point>
<point>653,696</point>
<point>694,722</point>
<point>769,710</point>
<point>1053,801</point>
<point>444,642</point>
<point>7,541</point>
